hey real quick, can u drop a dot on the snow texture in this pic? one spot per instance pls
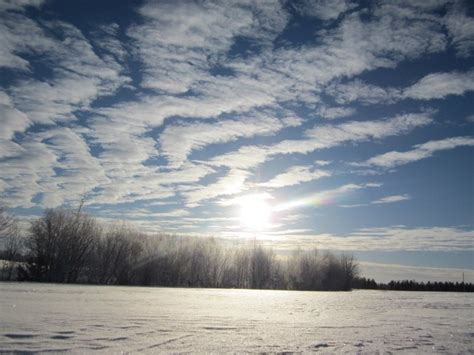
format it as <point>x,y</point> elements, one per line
<point>47,317</point>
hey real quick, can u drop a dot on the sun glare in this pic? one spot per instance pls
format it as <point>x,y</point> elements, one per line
<point>255,212</point>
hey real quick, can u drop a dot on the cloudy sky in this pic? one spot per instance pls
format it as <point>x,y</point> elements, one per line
<point>350,123</point>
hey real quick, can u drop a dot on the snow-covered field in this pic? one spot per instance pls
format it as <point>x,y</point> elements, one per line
<point>46,317</point>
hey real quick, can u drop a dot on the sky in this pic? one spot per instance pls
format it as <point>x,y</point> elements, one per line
<point>341,125</point>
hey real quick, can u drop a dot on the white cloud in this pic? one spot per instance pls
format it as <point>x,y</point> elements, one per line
<point>245,157</point>
<point>335,112</point>
<point>124,145</point>
<point>178,141</point>
<point>383,200</point>
<point>80,172</point>
<point>11,120</point>
<point>107,39</point>
<point>367,94</point>
<point>56,163</point>
<point>183,42</point>
<point>188,173</point>
<point>147,183</point>
<point>9,148</point>
<point>420,5</point>
<point>77,78</point>
<point>179,42</point>
<point>19,5</point>
<point>324,9</point>
<point>240,200</point>
<point>440,85</point>
<point>284,74</point>
<point>14,29</point>
<point>296,175</point>
<point>432,86</point>
<point>396,238</point>
<point>461,29</point>
<point>420,151</point>
<point>354,205</point>
<point>322,162</point>
<point>323,137</point>
<point>144,214</point>
<point>328,136</point>
<point>299,73</point>
<point>215,98</point>
<point>320,197</point>
<point>347,50</point>
<point>28,167</point>
<point>231,184</point>
<point>46,102</point>
<point>392,199</point>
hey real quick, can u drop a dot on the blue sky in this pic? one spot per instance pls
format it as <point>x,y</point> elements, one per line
<point>351,122</point>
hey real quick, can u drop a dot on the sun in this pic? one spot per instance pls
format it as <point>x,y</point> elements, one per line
<point>255,212</point>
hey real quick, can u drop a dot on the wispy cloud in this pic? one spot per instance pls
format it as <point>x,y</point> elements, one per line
<point>380,201</point>
<point>335,112</point>
<point>178,141</point>
<point>461,29</point>
<point>440,85</point>
<point>322,162</point>
<point>19,5</point>
<point>360,131</point>
<point>365,93</point>
<point>324,197</point>
<point>324,9</point>
<point>432,86</point>
<point>324,137</point>
<point>397,238</point>
<point>13,120</point>
<point>180,42</point>
<point>392,199</point>
<point>230,184</point>
<point>420,151</point>
<point>296,175</point>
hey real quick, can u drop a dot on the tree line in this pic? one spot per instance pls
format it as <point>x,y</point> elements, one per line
<point>70,246</point>
<point>411,285</point>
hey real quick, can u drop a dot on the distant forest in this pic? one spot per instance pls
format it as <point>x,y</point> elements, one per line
<point>411,285</point>
<point>70,246</point>
<point>67,246</point>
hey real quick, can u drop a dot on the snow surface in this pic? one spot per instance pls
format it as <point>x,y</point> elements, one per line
<point>47,317</point>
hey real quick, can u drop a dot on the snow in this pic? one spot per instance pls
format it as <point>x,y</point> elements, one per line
<point>47,317</point>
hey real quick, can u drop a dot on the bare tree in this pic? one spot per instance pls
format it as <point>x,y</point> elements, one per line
<point>261,262</point>
<point>60,242</point>
<point>6,220</point>
<point>305,270</point>
<point>12,244</point>
<point>350,269</point>
<point>116,256</point>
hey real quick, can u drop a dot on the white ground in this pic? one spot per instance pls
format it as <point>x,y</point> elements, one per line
<point>45,317</point>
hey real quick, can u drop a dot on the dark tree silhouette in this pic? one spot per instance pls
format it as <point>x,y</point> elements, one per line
<point>411,285</point>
